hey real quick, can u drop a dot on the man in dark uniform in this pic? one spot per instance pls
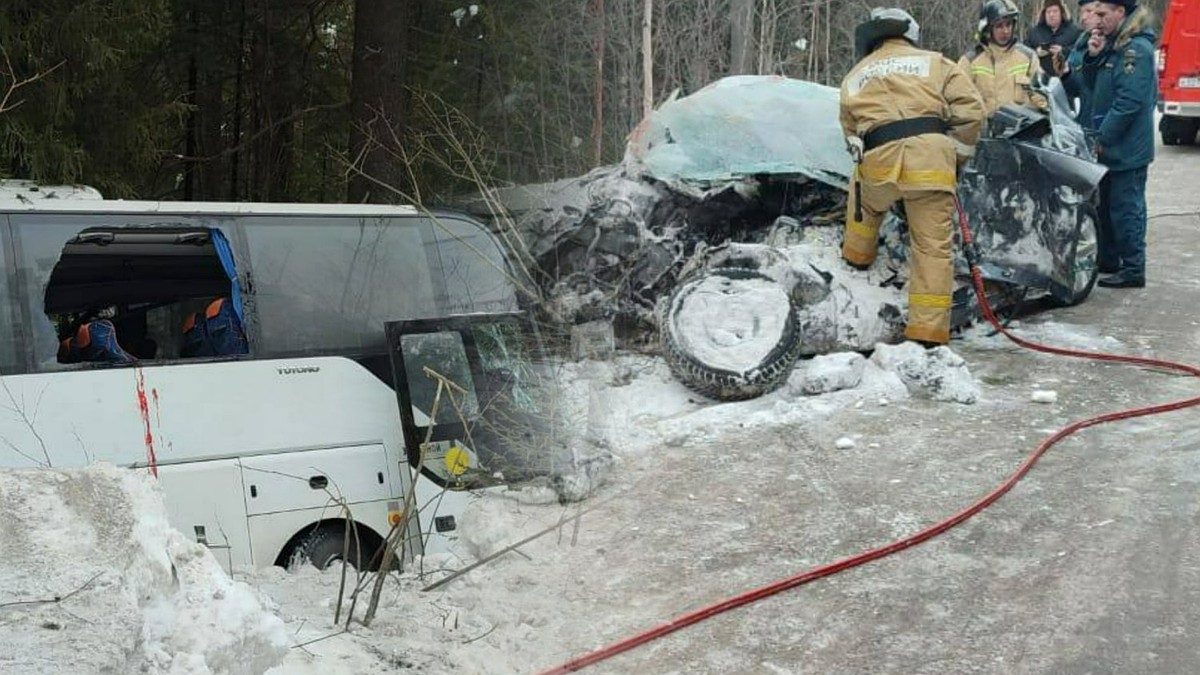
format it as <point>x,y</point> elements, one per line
<point>1119,79</point>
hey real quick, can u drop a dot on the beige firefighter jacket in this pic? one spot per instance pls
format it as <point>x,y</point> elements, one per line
<point>1003,75</point>
<point>899,81</point>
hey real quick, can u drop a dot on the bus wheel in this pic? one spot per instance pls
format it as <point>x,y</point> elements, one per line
<point>326,546</point>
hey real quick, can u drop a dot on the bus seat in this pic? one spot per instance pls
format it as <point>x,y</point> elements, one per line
<point>216,331</point>
<point>94,342</point>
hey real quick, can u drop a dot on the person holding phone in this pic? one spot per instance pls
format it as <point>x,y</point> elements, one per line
<point>1054,34</point>
<point>1117,80</point>
<point>1071,60</point>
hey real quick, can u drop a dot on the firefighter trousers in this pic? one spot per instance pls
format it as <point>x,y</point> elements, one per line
<point>930,225</point>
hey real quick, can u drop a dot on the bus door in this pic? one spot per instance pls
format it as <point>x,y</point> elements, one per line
<point>477,404</point>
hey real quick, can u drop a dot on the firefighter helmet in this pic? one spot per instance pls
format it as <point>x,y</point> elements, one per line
<point>994,11</point>
<point>885,23</point>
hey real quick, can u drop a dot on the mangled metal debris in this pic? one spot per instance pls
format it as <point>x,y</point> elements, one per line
<point>733,198</point>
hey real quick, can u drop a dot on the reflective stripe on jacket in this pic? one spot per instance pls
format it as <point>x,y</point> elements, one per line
<point>1003,75</point>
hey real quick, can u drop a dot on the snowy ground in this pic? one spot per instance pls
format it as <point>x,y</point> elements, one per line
<point>507,617</point>
<point>152,601</point>
<point>731,478</point>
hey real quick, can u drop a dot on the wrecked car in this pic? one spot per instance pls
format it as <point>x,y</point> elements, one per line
<point>720,232</point>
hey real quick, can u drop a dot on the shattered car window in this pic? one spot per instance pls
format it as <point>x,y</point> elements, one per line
<point>504,355</point>
<point>444,354</point>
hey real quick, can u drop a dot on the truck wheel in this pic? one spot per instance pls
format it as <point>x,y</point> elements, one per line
<point>730,333</point>
<point>1177,130</point>
<point>1086,255</point>
<point>326,546</point>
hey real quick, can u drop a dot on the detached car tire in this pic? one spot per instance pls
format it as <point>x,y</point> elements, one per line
<point>730,333</point>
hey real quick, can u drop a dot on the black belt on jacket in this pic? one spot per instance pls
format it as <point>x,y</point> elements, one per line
<point>900,129</point>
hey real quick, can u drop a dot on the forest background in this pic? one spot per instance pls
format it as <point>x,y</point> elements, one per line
<point>385,100</point>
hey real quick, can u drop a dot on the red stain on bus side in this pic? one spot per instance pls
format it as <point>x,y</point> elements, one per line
<point>144,409</point>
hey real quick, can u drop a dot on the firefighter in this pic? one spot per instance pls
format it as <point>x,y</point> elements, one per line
<point>1001,67</point>
<point>908,116</point>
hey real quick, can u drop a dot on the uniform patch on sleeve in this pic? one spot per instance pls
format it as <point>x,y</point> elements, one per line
<point>1130,61</point>
<point>915,66</point>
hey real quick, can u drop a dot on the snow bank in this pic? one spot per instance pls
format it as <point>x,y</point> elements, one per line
<point>937,373</point>
<point>143,598</point>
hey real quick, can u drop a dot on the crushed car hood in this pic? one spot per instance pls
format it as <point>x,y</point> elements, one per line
<point>740,127</point>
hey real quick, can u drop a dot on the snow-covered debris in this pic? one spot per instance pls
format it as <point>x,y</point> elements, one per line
<point>136,595</point>
<point>827,373</point>
<point>937,373</point>
<point>844,443</point>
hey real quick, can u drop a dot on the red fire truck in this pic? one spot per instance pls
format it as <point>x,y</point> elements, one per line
<point>1179,73</point>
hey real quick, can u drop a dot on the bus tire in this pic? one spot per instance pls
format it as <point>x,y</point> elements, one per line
<point>326,545</point>
<point>718,383</point>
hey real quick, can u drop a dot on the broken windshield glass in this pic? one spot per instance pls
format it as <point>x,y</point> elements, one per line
<point>744,126</point>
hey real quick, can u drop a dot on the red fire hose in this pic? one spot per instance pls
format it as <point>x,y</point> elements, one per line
<point>928,533</point>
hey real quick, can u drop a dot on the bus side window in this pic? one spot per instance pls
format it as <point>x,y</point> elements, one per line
<point>39,245</point>
<point>473,269</point>
<point>9,359</point>
<point>330,282</point>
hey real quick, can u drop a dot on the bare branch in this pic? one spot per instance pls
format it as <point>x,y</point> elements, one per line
<point>15,84</point>
<point>55,599</point>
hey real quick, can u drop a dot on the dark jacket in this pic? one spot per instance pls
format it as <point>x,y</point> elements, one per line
<point>1073,80</point>
<point>1042,36</point>
<point>1123,82</point>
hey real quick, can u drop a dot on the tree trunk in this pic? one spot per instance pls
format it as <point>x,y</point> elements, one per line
<point>741,37</point>
<point>647,59</point>
<point>193,119</point>
<point>598,84</point>
<point>378,98</point>
<point>236,139</point>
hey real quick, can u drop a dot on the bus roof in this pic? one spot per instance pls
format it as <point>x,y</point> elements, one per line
<point>117,206</point>
<point>27,190</point>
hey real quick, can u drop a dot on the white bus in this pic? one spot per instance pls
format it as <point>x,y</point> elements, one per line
<point>239,352</point>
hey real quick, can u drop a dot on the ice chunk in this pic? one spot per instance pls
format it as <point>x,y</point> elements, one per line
<point>827,373</point>
<point>938,373</point>
<point>1044,396</point>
